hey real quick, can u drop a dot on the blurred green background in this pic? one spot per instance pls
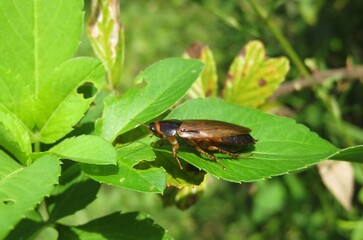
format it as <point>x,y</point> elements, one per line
<point>328,34</point>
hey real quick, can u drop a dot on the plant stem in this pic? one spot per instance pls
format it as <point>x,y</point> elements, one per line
<point>351,73</point>
<point>36,142</point>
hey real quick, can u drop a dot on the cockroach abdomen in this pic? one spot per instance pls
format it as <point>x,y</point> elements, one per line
<point>237,143</point>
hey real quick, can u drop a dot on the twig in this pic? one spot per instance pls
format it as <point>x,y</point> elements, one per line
<point>350,73</point>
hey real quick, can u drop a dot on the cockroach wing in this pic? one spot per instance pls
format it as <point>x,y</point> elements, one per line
<point>209,129</point>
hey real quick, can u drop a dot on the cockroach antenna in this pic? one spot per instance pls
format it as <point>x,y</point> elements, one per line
<point>140,123</point>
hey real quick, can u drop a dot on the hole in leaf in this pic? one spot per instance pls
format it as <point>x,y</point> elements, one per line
<point>9,202</point>
<point>87,90</point>
<point>143,165</point>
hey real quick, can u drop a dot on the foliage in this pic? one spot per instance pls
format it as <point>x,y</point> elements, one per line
<point>64,129</point>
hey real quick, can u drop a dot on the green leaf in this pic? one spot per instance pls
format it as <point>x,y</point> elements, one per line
<point>283,145</point>
<point>189,177</point>
<point>350,154</point>
<point>115,226</point>
<point>253,77</point>
<point>126,175</point>
<point>60,105</point>
<point>75,198</point>
<point>14,136</point>
<point>22,188</point>
<point>38,85</point>
<point>206,85</point>
<point>26,229</point>
<point>35,38</point>
<point>166,82</point>
<point>86,149</point>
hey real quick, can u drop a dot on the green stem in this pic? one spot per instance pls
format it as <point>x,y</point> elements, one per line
<point>280,37</point>
<point>36,142</point>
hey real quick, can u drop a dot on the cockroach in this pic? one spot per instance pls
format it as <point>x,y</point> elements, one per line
<point>205,135</point>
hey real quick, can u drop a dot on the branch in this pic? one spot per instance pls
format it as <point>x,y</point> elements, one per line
<point>350,73</point>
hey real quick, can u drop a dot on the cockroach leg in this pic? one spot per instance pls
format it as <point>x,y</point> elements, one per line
<point>175,145</point>
<point>214,148</point>
<point>211,156</point>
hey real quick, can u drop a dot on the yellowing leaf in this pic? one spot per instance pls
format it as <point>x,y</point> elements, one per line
<point>253,77</point>
<point>185,197</point>
<point>206,84</point>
